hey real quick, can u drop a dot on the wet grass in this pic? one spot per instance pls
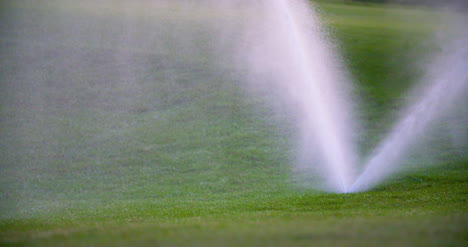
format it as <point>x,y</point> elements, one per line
<point>203,164</point>
<point>428,209</point>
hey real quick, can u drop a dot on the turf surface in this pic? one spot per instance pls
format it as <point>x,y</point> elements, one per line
<point>195,161</point>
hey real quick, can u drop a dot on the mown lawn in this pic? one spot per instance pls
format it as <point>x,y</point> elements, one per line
<point>193,160</point>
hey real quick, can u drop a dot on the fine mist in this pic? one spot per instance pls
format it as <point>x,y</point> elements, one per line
<point>106,101</point>
<point>102,100</point>
<point>444,84</point>
<point>288,51</point>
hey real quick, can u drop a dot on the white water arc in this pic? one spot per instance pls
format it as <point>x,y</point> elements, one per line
<point>448,81</point>
<point>294,50</point>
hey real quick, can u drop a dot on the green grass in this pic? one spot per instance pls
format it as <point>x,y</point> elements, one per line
<point>194,161</point>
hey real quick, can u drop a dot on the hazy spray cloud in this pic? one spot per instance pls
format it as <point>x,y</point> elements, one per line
<point>81,81</point>
<point>435,99</point>
<point>288,51</point>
